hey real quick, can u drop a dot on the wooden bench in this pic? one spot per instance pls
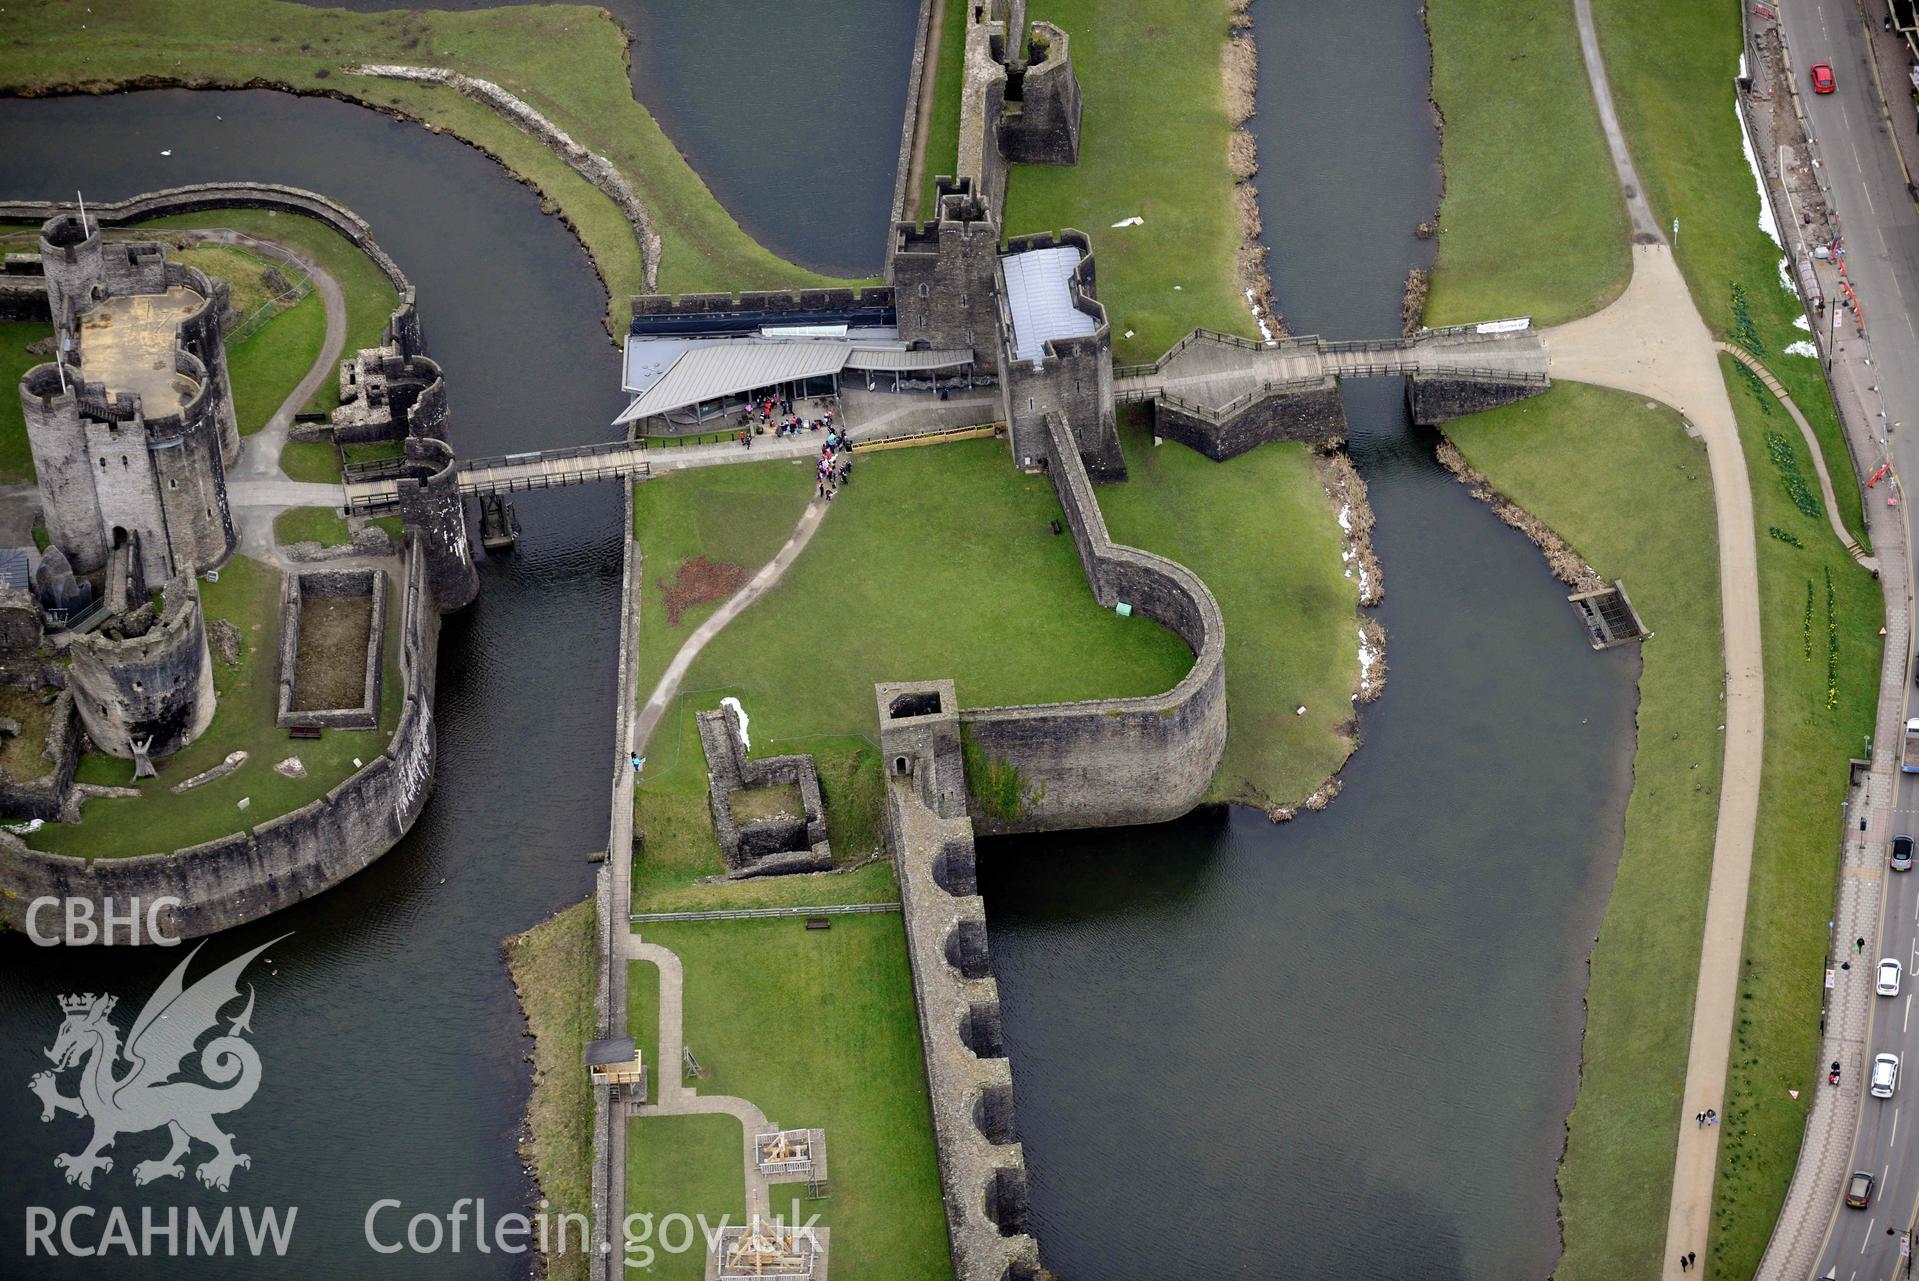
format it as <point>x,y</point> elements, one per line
<point>819,922</point>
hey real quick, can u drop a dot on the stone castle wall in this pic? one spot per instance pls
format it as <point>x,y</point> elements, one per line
<point>43,797</point>
<point>243,877</point>
<point>944,276</point>
<point>1433,400</point>
<point>1075,379</point>
<point>1307,413</point>
<point>1112,762</point>
<point>970,1082</point>
<point>156,686</point>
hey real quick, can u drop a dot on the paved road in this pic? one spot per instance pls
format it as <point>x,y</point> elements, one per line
<point>1881,235</point>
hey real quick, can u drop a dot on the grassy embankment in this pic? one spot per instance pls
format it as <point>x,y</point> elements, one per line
<point>568,61</point>
<point>837,1007</point>
<point>1532,222</point>
<point>553,967</point>
<point>248,596</point>
<point>1673,86</point>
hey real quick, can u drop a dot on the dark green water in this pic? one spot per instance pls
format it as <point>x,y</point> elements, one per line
<point>789,109</point>
<point>1344,1046</point>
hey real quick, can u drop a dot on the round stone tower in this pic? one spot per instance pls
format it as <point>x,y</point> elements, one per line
<point>431,506</point>
<point>146,676</point>
<point>70,254</point>
<point>58,441</point>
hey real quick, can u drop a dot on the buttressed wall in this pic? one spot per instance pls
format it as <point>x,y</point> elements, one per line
<point>146,679</point>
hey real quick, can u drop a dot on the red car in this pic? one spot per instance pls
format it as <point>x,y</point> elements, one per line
<point>1822,81</point>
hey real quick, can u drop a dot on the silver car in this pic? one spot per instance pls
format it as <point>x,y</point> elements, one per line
<point>1885,1075</point>
<point>1889,972</point>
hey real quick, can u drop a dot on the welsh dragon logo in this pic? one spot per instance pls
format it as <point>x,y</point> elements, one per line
<point>146,1095</point>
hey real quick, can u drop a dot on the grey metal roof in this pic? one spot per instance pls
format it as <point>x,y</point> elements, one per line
<point>726,367</point>
<point>1040,299</point>
<point>618,1049</point>
<point>896,359</point>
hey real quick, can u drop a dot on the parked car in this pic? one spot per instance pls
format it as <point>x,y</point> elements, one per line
<point>1885,1075</point>
<point>1889,972</point>
<point>1822,81</point>
<point>1902,853</point>
<point>1859,1190</point>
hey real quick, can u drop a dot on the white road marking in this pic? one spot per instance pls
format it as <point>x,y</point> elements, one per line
<point>1868,1237</point>
<point>1906,1023</point>
<point>1893,1141</point>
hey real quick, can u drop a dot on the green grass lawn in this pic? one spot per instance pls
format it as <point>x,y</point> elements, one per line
<point>568,61</point>
<point>325,526</point>
<point>267,367</point>
<point>736,516</point>
<point>682,1165</point>
<point>935,562</point>
<point>672,813</point>
<point>942,130</point>
<point>16,459</point>
<point>1672,68</point>
<point>1153,143</point>
<point>1589,462</point>
<point>1532,222</point>
<point>553,972</point>
<point>852,1066</point>
<point>1795,851</point>
<point>321,525</point>
<point>317,461</point>
<point>247,595</point>
<point>1291,637</point>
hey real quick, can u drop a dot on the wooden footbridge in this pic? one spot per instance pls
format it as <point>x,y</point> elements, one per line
<point>375,487</point>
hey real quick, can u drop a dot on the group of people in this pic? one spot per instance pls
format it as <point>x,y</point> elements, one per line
<point>779,415</point>
<point>834,470</point>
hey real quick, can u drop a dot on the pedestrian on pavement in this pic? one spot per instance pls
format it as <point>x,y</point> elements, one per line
<point>1683,1265</point>
<point>1692,1258</point>
<point>1712,1117</point>
<point>1699,1120</point>
<point>1859,945</point>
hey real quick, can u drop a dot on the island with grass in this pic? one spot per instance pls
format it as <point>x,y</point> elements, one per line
<point>213,730</point>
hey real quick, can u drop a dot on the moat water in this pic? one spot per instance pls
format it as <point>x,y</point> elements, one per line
<point>790,111</point>
<point>387,1026</point>
<point>1348,1043</point>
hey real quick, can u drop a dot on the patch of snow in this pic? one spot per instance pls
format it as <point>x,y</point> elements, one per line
<point>1346,517</point>
<point>1802,348</point>
<point>1766,224</point>
<point>1367,657</point>
<point>1785,278</point>
<point>739,711</point>
<point>1134,221</point>
<point>1800,322</point>
<point>27,828</point>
